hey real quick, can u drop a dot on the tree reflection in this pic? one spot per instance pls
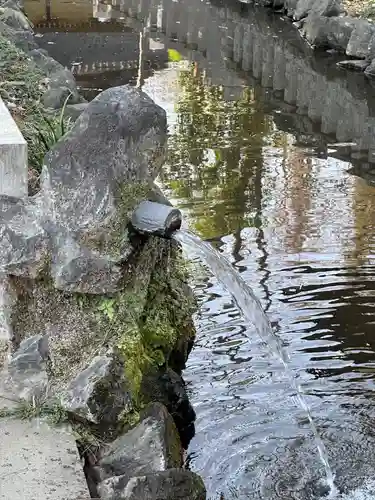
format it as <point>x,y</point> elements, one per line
<point>216,156</point>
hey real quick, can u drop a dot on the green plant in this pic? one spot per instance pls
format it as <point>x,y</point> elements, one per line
<point>107,307</point>
<point>49,131</point>
<point>28,410</point>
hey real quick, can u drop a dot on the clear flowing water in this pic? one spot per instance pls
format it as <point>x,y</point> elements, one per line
<point>272,161</point>
<point>252,311</point>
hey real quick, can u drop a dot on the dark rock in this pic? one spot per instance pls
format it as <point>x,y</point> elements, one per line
<point>100,393</point>
<point>15,19</point>
<point>173,484</point>
<point>290,7</point>
<point>151,446</point>
<point>63,78</point>
<point>12,4</point>
<point>371,48</point>
<point>7,301</point>
<point>46,63</point>
<point>168,387</point>
<point>62,85</point>
<point>156,219</point>
<point>329,32</point>
<point>27,368</point>
<point>73,111</point>
<point>82,271</point>
<point>56,97</point>
<point>113,153</point>
<point>24,245</point>
<point>370,70</point>
<point>353,64</point>
<point>23,40</point>
<point>359,43</point>
<point>325,8</point>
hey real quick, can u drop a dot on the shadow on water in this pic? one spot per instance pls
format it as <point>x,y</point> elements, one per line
<point>264,138</point>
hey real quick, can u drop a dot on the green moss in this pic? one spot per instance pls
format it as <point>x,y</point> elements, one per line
<point>147,328</point>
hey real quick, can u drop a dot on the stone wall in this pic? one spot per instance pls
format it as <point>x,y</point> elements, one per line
<point>96,319</point>
<point>307,94</point>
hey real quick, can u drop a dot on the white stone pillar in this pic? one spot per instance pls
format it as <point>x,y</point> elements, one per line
<point>13,156</point>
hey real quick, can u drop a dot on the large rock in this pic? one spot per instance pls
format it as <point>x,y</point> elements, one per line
<point>290,7</point>
<point>24,245</point>
<point>169,388</point>
<point>15,19</point>
<point>152,446</point>
<point>7,300</point>
<point>113,153</point>
<point>329,32</point>
<point>317,8</point>
<point>27,377</point>
<point>100,393</point>
<point>22,39</point>
<point>47,64</point>
<point>359,43</point>
<point>370,70</point>
<point>173,484</point>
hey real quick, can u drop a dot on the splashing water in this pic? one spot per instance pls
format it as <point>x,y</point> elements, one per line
<point>252,310</point>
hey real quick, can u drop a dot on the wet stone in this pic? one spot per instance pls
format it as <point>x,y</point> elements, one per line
<point>329,32</point>
<point>169,388</point>
<point>317,8</point>
<point>359,43</point>
<point>151,446</point>
<point>354,65</point>
<point>370,70</point>
<point>173,484</point>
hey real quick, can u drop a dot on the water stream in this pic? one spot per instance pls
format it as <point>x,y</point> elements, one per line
<point>252,311</point>
<point>272,161</point>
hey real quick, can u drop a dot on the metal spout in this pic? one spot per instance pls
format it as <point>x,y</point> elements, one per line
<point>156,219</point>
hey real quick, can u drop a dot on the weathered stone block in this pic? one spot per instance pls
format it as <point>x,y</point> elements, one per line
<point>39,462</point>
<point>15,19</point>
<point>27,369</point>
<point>359,43</point>
<point>173,484</point>
<point>22,39</point>
<point>152,446</point>
<point>100,393</point>
<point>317,8</point>
<point>168,387</point>
<point>354,64</point>
<point>329,32</point>
<point>24,243</point>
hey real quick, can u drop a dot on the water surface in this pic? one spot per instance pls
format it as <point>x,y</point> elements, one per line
<point>272,161</point>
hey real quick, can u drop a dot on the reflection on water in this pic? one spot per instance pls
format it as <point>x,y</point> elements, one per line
<point>299,228</point>
<point>255,164</point>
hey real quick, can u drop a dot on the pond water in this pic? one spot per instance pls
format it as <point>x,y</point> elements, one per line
<point>272,160</point>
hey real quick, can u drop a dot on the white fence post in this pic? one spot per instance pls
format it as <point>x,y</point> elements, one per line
<point>13,156</point>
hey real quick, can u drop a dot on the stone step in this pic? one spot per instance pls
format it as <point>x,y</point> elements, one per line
<point>39,462</point>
